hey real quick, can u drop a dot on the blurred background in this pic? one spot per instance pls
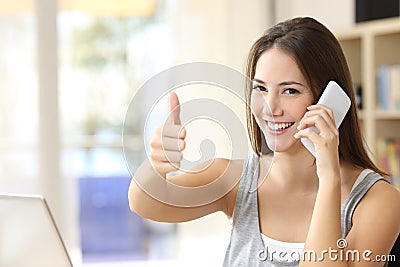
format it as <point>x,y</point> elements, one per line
<point>68,70</point>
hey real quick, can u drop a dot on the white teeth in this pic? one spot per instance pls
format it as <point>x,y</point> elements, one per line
<point>279,126</point>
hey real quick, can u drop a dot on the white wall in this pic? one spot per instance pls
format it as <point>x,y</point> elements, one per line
<point>334,14</point>
<point>221,32</point>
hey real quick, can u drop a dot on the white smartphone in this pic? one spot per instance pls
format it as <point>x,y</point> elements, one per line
<point>336,99</point>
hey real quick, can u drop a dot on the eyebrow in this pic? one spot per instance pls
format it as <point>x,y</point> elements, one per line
<point>280,84</point>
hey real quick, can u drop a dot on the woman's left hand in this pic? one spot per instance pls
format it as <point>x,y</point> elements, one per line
<point>326,143</point>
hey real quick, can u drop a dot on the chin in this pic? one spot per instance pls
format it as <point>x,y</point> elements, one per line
<point>281,147</point>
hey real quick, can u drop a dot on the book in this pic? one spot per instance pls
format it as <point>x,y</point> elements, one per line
<point>395,86</point>
<point>383,87</point>
<point>388,87</point>
<point>388,157</point>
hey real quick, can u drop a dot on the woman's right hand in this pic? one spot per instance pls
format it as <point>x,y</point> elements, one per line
<point>168,141</point>
<point>171,201</point>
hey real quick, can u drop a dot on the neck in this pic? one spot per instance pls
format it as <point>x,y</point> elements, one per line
<point>295,169</point>
<point>349,173</point>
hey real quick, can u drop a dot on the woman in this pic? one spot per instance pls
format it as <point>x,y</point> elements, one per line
<point>321,211</point>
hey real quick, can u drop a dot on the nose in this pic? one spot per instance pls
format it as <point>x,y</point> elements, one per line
<point>272,105</point>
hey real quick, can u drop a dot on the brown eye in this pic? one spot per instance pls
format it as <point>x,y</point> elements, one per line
<point>259,88</point>
<point>291,91</point>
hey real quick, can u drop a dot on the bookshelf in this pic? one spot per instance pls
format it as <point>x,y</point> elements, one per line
<point>368,46</point>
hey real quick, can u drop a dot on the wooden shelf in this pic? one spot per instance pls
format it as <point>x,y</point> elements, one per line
<point>367,46</point>
<point>387,115</point>
<point>360,114</point>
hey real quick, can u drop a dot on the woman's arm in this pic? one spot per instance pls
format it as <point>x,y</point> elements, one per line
<point>189,205</point>
<point>325,227</point>
<point>209,188</point>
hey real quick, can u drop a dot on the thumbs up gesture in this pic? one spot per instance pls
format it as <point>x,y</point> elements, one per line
<point>175,109</point>
<point>168,141</point>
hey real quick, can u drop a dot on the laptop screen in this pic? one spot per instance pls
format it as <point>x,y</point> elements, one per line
<point>28,234</point>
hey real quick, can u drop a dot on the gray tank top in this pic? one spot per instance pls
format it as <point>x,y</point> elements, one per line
<point>246,247</point>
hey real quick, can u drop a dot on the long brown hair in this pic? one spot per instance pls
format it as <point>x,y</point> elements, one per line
<point>320,58</point>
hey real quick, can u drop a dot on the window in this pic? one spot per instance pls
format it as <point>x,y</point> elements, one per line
<point>103,60</point>
<point>18,101</point>
<point>105,52</point>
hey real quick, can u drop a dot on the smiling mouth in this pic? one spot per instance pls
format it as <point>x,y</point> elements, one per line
<point>280,126</point>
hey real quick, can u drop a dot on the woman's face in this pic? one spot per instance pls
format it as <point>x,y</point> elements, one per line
<point>279,98</point>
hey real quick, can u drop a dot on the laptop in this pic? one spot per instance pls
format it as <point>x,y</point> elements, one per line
<point>28,233</point>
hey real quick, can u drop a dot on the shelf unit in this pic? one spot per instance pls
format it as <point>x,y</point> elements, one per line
<point>367,46</point>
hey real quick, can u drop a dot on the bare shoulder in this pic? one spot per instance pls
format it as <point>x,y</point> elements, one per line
<point>376,220</point>
<point>383,194</point>
<point>382,199</point>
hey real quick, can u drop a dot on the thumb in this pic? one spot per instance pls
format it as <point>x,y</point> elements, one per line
<point>174,108</point>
